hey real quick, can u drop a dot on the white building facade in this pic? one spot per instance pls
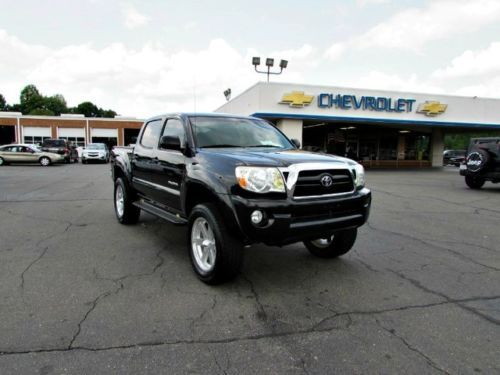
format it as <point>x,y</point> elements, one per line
<point>378,128</point>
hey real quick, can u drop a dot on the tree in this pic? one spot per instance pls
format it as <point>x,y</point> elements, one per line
<point>88,109</point>
<point>3,103</point>
<point>107,113</point>
<point>56,104</point>
<point>31,99</point>
<point>41,112</point>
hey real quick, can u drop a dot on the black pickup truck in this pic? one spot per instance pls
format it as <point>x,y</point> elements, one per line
<point>235,181</point>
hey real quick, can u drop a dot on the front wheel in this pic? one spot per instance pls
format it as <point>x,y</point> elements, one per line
<point>44,161</point>
<point>126,212</point>
<point>474,182</point>
<point>2,162</point>
<point>333,245</point>
<point>216,255</point>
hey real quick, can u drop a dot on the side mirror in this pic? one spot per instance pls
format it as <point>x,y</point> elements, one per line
<point>296,142</point>
<point>170,143</point>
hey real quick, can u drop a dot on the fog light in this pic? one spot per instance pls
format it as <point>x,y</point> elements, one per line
<point>256,217</point>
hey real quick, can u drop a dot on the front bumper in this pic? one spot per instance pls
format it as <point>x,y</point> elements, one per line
<point>288,221</point>
<point>94,157</point>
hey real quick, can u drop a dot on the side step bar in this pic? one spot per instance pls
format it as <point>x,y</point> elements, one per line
<point>153,210</point>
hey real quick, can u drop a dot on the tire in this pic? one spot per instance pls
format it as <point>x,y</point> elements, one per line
<point>333,246</point>
<point>84,161</point>
<point>225,257</point>
<point>44,161</point>
<point>477,160</point>
<point>125,211</point>
<point>474,182</point>
<point>2,162</point>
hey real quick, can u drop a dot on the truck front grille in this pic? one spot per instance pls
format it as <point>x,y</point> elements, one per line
<point>309,182</point>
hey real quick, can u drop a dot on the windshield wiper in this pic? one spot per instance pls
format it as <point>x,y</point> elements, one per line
<point>222,145</point>
<point>264,146</point>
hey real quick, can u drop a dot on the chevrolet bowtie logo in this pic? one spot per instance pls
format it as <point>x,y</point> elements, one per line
<point>432,108</point>
<point>297,99</point>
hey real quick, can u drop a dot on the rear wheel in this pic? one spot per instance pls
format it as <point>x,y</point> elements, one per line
<point>333,245</point>
<point>2,161</point>
<point>474,182</point>
<point>126,212</point>
<point>216,255</point>
<point>44,161</point>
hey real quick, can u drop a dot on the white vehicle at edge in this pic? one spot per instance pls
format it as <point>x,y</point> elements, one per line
<point>95,152</point>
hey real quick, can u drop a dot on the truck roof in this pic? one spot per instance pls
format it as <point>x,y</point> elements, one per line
<point>204,114</point>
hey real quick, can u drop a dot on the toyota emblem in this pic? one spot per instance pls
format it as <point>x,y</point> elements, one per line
<point>326,180</point>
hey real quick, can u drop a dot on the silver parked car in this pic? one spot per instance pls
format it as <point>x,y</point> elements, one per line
<point>23,153</point>
<point>95,152</point>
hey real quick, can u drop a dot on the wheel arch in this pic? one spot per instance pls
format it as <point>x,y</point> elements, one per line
<point>198,193</point>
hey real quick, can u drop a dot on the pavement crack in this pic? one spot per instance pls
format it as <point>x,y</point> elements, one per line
<point>261,312</point>
<point>429,360</point>
<point>42,254</point>
<point>93,305</point>
<point>264,336</point>
<point>459,303</point>
<point>432,245</point>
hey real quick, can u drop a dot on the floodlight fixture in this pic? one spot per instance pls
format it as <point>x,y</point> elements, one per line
<point>269,65</point>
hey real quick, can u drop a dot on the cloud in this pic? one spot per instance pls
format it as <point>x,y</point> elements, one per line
<point>472,63</point>
<point>363,3</point>
<point>138,82</point>
<point>382,81</point>
<point>132,18</point>
<point>414,28</point>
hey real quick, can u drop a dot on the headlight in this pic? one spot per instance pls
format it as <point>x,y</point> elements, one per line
<point>360,175</point>
<point>260,179</point>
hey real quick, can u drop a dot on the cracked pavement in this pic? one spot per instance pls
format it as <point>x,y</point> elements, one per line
<point>79,293</point>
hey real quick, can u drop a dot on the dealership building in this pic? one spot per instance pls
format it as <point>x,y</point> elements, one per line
<point>378,128</point>
<point>14,127</point>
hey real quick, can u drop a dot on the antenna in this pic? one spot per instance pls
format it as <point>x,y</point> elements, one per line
<point>194,92</point>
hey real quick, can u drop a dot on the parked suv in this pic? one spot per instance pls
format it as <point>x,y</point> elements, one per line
<point>482,162</point>
<point>61,147</point>
<point>236,181</point>
<point>95,152</point>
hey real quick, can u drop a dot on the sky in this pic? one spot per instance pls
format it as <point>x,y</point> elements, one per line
<point>142,58</point>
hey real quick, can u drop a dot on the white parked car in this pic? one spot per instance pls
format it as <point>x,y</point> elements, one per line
<point>95,152</point>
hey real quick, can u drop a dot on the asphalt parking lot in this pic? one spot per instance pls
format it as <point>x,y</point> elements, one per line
<point>79,293</point>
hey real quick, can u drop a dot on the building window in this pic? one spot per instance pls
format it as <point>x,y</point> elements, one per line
<point>78,141</point>
<point>34,140</point>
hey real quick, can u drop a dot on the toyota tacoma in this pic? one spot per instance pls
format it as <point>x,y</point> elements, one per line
<point>236,181</point>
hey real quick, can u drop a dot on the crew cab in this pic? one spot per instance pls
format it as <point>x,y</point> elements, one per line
<point>236,181</point>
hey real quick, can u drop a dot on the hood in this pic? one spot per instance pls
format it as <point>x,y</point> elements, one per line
<point>272,157</point>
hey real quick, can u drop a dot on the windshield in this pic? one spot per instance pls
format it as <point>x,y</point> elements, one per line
<point>96,146</point>
<point>236,132</point>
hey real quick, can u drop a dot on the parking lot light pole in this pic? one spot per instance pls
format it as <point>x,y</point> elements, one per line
<point>269,64</point>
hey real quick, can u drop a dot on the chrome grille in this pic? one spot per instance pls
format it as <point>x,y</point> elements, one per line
<point>309,182</point>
